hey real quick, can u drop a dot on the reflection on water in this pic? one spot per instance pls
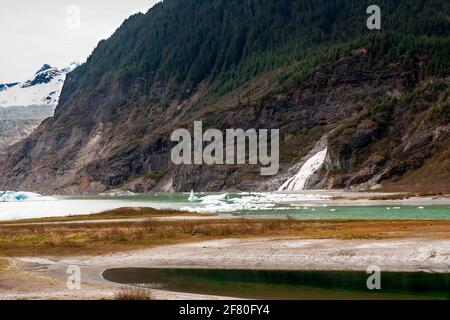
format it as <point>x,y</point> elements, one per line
<point>272,205</point>
<point>263,284</point>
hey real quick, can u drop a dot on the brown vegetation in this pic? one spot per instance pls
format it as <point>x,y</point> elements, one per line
<point>131,293</point>
<point>120,213</point>
<point>100,238</point>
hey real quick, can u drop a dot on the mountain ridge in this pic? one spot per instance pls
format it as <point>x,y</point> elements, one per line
<point>247,64</point>
<point>42,89</point>
<point>23,105</point>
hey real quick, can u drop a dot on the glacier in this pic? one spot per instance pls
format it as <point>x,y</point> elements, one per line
<point>24,105</point>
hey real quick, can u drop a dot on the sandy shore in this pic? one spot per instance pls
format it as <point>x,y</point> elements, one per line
<point>412,254</point>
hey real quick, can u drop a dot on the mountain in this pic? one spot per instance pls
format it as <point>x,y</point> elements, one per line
<point>376,101</point>
<point>43,88</point>
<point>4,86</point>
<point>23,105</point>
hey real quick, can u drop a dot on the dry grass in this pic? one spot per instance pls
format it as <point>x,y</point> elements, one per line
<point>433,176</point>
<point>4,264</point>
<point>130,293</point>
<point>101,238</point>
<point>121,213</point>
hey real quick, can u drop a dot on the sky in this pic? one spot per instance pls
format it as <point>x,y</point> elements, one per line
<point>56,32</point>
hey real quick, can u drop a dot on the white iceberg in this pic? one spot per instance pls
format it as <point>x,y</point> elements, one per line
<point>223,203</point>
<point>13,196</point>
<point>192,197</point>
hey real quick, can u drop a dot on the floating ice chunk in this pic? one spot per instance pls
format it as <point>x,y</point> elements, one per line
<point>12,196</point>
<point>192,197</point>
<point>215,198</point>
<point>223,203</point>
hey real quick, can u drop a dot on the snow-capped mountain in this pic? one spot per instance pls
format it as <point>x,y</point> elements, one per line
<point>23,105</point>
<point>43,88</point>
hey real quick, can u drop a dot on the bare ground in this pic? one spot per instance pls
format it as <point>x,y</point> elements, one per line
<point>36,254</point>
<point>49,273</point>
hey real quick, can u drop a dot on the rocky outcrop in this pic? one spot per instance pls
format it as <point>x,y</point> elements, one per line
<point>396,136</point>
<point>372,137</point>
<point>370,97</point>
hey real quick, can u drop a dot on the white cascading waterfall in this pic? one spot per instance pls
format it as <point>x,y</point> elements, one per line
<point>311,167</point>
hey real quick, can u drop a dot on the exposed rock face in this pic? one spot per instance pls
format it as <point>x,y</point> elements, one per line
<point>129,148</point>
<point>397,136</point>
<point>369,96</point>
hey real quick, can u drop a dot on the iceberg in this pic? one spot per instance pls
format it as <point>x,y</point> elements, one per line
<point>192,197</point>
<point>223,203</point>
<point>13,196</point>
<point>215,198</point>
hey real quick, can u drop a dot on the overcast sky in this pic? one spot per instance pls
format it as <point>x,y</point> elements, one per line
<point>57,32</point>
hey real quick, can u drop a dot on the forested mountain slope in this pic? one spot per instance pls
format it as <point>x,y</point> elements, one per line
<point>380,99</point>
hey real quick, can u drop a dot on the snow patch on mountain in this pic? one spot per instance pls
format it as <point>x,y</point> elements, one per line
<point>24,105</point>
<point>43,88</point>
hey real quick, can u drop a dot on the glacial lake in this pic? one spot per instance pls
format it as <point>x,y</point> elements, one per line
<point>294,285</point>
<point>265,205</point>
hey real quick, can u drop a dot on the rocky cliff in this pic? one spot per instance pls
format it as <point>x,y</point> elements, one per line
<point>379,102</point>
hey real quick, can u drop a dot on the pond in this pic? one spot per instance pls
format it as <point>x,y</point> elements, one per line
<point>293,285</point>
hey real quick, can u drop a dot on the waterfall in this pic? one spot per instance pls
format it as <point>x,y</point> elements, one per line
<point>311,167</point>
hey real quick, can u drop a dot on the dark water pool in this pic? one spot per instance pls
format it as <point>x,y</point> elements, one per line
<point>263,284</point>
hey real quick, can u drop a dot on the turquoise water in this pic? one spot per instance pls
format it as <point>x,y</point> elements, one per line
<point>361,213</point>
<point>296,209</point>
<point>265,284</point>
<point>261,205</point>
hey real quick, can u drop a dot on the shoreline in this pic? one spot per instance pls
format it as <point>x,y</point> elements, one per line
<point>336,198</point>
<point>392,255</point>
<point>370,198</point>
<point>394,246</point>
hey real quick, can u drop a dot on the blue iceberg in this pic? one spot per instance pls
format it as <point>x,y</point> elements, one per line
<point>13,196</point>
